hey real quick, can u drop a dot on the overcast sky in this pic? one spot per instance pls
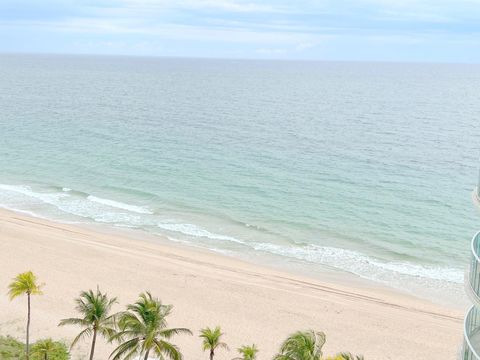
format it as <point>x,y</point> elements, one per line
<point>402,30</point>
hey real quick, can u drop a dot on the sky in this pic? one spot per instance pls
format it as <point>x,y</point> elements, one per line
<point>350,30</point>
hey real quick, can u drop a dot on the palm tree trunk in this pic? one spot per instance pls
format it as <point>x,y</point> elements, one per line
<point>146,354</point>
<point>212,352</point>
<point>27,344</point>
<point>94,340</point>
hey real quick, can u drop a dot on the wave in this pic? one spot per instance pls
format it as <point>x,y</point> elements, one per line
<point>49,198</point>
<point>357,263</point>
<point>122,214</point>
<point>71,202</point>
<point>195,231</point>
<point>360,264</point>
<point>120,205</point>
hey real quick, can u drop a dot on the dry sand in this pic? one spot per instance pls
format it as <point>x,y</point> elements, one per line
<point>252,304</point>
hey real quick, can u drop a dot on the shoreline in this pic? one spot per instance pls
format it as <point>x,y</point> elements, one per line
<point>453,297</point>
<point>207,288</point>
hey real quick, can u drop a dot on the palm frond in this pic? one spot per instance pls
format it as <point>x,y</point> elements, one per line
<point>348,356</point>
<point>74,321</point>
<point>126,349</point>
<point>94,308</point>
<point>145,323</point>
<point>212,338</point>
<point>302,345</point>
<point>168,333</point>
<point>171,351</point>
<point>24,283</point>
<point>248,352</point>
<point>83,334</point>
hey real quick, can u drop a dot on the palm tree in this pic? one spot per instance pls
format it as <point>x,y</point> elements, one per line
<point>143,330</point>
<point>212,340</point>
<point>346,356</point>
<point>44,349</point>
<point>25,283</point>
<point>247,352</point>
<point>94,308</point>
<point>302,345</point>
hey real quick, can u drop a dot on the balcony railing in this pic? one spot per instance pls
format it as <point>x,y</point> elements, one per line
<point>473,286</point>
<point>471,347</point>
<point>471,344</point>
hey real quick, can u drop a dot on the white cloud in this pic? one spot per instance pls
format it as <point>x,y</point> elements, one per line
<point>171,31</point>
<point>305,46</point>
<point>220,5</point>
<point>271,51</point>
<point>266,27</point>
<point>229,5</point>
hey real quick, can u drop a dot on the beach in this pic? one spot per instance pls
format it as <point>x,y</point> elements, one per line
<point>252,304</point>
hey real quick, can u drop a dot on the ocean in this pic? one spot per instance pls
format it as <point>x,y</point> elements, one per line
<point>363,168</point>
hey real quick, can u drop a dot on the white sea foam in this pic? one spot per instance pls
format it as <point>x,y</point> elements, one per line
<point>360,264</point>
<point>49,198</point>
<point>22,198</point>
<point>120,205</point>
<point>342,259</point>
<point>196,231</point>
<point>127,215</point>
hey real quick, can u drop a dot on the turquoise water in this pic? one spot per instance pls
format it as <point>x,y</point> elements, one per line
<point>364,167</point>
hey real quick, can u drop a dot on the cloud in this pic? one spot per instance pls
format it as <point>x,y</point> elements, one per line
<point>271,51</point>
<point>252,27</point>
<point>218,5</point>
<point>228,5</point>
<point>305,46</point>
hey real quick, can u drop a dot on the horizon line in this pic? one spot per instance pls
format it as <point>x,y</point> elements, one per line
<point>265,59</point>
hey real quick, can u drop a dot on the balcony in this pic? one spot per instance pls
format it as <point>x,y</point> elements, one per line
<point>471,345</point>
<point>473,282</point>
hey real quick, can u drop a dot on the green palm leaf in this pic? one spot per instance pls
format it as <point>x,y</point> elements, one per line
<point>94,309</point>
<point>25,284</point>
<point>143,330</point>
<point>247,352</point>
<point>212,340</point>
<point>302,345</point>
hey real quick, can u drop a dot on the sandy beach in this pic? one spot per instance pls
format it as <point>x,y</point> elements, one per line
<point>252,304</point>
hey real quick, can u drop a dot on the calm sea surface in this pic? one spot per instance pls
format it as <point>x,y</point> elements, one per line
<point>364,167</point>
